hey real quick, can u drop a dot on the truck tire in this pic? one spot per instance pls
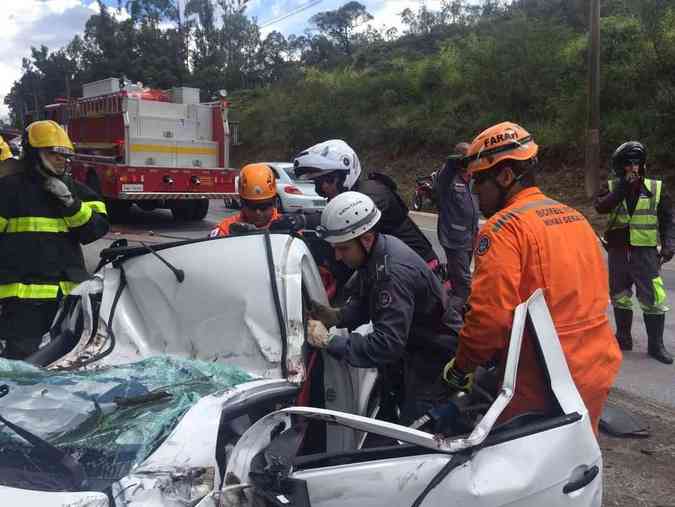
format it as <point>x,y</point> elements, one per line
<point>200,208</point>
<point>181,211</point>
<point>417,202</point>
<point>118,211</point>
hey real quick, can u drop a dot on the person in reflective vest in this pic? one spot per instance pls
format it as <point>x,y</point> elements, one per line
<point>258,194</point>
<point>531,242</point>
<point>640,217</point>
<point>45,217</point>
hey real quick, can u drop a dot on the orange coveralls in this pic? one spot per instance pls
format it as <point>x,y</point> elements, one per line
<point>536,242</point>
<point>223,228</point>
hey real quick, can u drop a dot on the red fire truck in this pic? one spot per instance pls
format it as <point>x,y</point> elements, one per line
<point>152,148</point>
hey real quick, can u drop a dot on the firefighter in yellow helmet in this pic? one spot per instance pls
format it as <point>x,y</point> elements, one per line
<point>5,151</point>
<point>44,218</point>
<point>258,194</point>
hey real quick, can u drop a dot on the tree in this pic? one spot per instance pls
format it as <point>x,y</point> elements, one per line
<point>339,25</point>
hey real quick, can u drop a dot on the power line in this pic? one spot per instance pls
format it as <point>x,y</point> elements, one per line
<point>293,12</point>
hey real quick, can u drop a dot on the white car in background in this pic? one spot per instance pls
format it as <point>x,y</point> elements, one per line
<point>295,196</point>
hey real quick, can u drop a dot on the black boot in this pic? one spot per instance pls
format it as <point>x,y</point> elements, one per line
<point>624,320</point>
<point>655,348</point>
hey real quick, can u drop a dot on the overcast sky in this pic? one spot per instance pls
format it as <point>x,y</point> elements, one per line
<point>53,23</point>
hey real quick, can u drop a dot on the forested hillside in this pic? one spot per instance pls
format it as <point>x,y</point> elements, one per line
<point>390,93</point>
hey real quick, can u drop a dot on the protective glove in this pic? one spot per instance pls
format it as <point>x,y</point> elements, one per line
<point>456,379</point>
<point>289,223</point>
<point>666,255</point>
<point>326,314</point>
<point>317,334</point>
<point>60,190</point>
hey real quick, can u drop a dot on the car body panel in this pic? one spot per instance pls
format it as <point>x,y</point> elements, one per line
<point>226,286</point>
<point>21,497</point>
<point>500,465</point>
<point>157,314</point>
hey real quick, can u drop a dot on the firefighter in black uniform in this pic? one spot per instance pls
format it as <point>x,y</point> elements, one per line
<point>641,216</point>
<point>44,218</point>
<point>399,294</point>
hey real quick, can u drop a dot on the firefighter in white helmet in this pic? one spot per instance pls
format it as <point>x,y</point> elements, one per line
<point>399,294</point>
<point>335,168</point>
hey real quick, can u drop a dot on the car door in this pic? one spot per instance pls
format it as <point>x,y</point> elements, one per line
<point>532,460</point>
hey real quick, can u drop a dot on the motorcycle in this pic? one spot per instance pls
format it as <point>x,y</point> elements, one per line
<point>424,191</point>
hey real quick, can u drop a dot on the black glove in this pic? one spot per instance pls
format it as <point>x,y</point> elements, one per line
<point>292,223</point>
<point>60,190</point>
<point>666,254</point>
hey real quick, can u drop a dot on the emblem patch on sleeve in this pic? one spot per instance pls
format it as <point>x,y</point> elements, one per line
<point>384,299</point>
<point>483,245</point>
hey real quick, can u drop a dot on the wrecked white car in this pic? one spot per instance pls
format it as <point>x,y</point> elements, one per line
<point>158,365</point>
<point>191,385</point>
<point>532,460</point>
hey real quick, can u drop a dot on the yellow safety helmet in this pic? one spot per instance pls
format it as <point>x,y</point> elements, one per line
<point>257,182</point>
<point>504,141</point>
<point>5,150</point>
<point>49,134</point>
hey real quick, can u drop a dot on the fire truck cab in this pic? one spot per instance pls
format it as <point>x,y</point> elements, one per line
<point>153,148</point>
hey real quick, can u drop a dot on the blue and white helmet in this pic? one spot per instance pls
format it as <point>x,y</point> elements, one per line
<point>328,157</point>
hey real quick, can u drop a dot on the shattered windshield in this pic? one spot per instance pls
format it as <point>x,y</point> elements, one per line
<point>108,419</point>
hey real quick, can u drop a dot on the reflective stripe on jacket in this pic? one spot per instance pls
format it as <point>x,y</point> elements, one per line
<point>536,242</point>
<point>643,224</point>
<point>40,253</point>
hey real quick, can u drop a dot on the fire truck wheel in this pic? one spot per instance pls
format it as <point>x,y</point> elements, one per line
<point>200,209</point>
<point>181,210</point>
<point>118,211</point>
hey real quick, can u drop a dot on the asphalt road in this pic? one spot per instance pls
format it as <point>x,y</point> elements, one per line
<point>639,374</point>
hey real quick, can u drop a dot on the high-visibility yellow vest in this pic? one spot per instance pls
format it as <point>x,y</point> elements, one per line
<point>643,224</point>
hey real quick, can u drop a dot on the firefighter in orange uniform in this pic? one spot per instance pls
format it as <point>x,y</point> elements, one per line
<point>531,241</point>
<point>258,194</point>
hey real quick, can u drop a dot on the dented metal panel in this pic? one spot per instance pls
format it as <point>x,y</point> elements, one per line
<point>541,466</point>
<point>223,310</point>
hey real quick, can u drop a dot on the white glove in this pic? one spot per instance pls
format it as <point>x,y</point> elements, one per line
<point>60,190</point>
<point>317,334</point>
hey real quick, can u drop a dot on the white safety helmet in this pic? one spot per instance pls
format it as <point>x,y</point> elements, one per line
<point>348,216</point>
<point>328,157</point>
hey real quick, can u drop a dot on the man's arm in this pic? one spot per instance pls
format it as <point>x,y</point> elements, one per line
<point>391,327</point>
<point>606,201</point>
<point>494,296</point>
<point>87,218</point>
<point>666,225</point>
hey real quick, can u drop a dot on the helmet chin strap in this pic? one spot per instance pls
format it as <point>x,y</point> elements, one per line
<point>503,191</point>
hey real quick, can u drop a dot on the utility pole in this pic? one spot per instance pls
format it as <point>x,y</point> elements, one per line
<point>593,127</point>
